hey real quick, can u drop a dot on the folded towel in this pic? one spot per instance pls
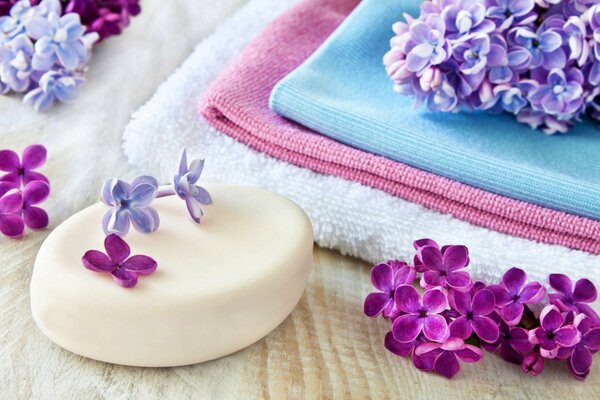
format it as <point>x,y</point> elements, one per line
<point>354,219</point>
<point>237,104</point>
<point>343,92</point>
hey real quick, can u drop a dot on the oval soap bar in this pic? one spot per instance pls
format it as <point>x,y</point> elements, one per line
<point>219,287</point>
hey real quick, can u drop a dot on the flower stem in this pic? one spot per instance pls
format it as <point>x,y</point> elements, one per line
<point>165,190</point>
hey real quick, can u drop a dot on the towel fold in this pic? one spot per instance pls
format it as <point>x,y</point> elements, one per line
<point>237,104</point>
<point>355,219</point>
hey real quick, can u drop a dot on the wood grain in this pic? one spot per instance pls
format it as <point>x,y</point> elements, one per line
<point>325,349</point>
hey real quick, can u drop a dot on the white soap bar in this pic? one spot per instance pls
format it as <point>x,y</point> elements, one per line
<point>219,287</point>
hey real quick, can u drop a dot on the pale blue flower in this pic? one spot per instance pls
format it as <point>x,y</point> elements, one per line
<point>15,63</point>
<point>130,204</point>
<point>54,85</point>
<point>22,12</point>
<point>560,96</point>
<point>184,184</point>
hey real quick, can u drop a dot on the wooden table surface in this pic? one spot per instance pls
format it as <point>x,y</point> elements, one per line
<point>325,349</point>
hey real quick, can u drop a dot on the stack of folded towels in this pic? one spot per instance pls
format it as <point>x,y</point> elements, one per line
<point>306,108</point>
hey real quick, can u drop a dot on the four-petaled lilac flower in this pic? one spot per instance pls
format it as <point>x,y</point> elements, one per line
<point>124,269</point>
<point>512,294</point>
<point>477,52</point>
<point>58,39</point>
<point>446,355</point>
<point>422,315</point>
<point>553,334</point>
<point>544,44</point>
<point>559,96</point>
<point>427,44</point>
<point>513,342</point>
<point>579,357</point>
<point>15,63</point>
<point>186,188</point>
<point>386,278</point>
<point>130,203</point>
<point>11,203</point>
<point>443,267</point>
<point>466,16</point>
<point>34,193</point>
<point>573,298</point>
<point>22,172</point>
<point>474,314</point>
<point>505,12</point>
<point>54,85</point>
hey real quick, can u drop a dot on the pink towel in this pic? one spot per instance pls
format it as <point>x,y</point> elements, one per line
<point>237,104</point>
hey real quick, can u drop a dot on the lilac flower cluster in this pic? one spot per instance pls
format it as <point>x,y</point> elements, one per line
<point>45,45</point>
<point>536,59</point>
<point>130,204</point>
<point>454,316</point>
<point>22,189</point>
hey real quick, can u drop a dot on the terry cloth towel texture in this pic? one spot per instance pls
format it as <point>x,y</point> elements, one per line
<point>237,104</point>
<point>355,219</point>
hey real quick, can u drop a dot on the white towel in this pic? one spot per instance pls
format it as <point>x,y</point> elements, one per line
<point>356,220</point>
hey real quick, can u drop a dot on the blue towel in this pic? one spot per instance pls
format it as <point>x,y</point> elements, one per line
<point>343,92</point>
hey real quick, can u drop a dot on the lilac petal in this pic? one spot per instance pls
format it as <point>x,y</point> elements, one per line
<point>483,302</point>
<point>382,277</point>
<point>508,353</point>
<point>566,336</point>
<point>592,339</point>
<point>455,257</point>
<point>406,328</point>
<point>512,313</point>
<point>459,280</point>
<point>116,248</point>
<point>435,301</point>
<point>587,310</point>
<point>375,303</point>
<point>124,278</point>
<point>142,265</point>
<point>549,41</point>
<point>460,302</point>
<point>202,196</point>
<point>195,170</point>
<point>446,364</point>
<point>11,202</point>
<point>31,176</point>
<point>35,192</point>
<point>428,347</point>
<point>120,190</point>
<point>95,260</point>
<point>35,217</point>
<point>469,354</point>
<point>585,291</point>
<point>142,195</point>
<point>461,328</point>
<point>116,221</point>
<point>433,279</point>
<point>12,177</point>
<point>106,193</point>
<point>561,283</point>
<point>425,361</point>
<point>34,156</point>
<point>500,294</point>
<point>519,339</point>
<point>581,360</point>
<point>5,187</point>
<point>183,166</point>
<point>12,225</point>
<point>435,328</point>
<point>405,275</point>
<point>532,292</point>
<point>550,318</point>
<point>431,258</point>
<point>396,347</point>
<point>143,220</point>
<point>407,299</point>
<point>417,244</point>
<point>194,209</point>
<point>514,279</point>
<point>9,161</point>
<point>485,328</point>
<point>145,180</point>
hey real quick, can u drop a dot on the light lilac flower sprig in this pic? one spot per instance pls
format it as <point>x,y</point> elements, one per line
<point>536,59</point>
<point>131,204</point>
<point>22,190</point>
<point>45,48</point>
<point>448,322</point>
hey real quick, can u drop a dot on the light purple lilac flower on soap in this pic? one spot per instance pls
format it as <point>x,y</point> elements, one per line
<point>447,325</point>
<point>536,59</point>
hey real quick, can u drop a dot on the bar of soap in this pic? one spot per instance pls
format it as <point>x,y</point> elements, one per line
<point>219,287</point>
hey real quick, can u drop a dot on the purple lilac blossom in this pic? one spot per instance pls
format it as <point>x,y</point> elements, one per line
<point>130,204</point>
<point>386,278</point>
<point>512,294</point>
<point>59,85</point>
<point>579,357</point>
<point>447,354</point>
<point>474,315</point>
<point>22,171</point>
<point>554,333</point>
<point>185,186</point>
<point>15,63</point>
<point>571,297</point>
<point>444,268</point>
<point>123,269</point>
